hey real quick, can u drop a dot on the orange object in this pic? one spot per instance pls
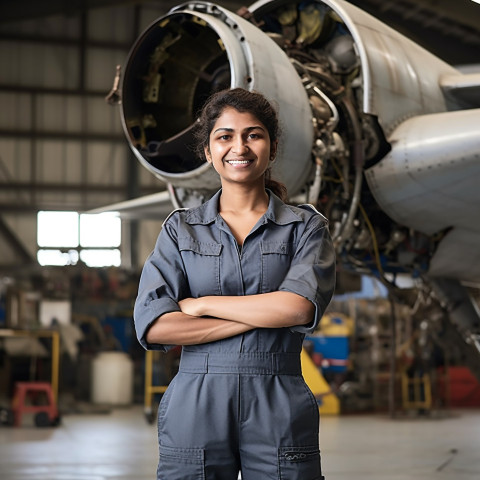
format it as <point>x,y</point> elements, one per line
<point>46,413</point>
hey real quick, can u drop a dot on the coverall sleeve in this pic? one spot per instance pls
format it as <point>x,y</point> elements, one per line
<point>162,284</point>
<point>312,271</point>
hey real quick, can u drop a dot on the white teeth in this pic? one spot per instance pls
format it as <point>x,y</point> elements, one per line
<point>238,162</point>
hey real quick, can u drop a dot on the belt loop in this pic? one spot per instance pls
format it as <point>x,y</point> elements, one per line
<point>193,362</point>
<point>274,366</point>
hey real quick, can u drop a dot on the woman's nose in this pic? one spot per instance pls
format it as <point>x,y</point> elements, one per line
<point>239,145</point>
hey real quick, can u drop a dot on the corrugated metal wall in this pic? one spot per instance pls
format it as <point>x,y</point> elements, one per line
<point>61,145</point>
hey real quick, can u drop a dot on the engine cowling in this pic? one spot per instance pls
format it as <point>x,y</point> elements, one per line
<point>184,57</point>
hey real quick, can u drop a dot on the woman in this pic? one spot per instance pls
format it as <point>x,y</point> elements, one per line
<point>238,282</point>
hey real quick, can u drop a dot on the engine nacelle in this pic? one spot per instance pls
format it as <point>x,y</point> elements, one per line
<point>183,58</point>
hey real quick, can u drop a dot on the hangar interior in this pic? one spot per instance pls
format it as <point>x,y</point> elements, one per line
<point>398,388</point>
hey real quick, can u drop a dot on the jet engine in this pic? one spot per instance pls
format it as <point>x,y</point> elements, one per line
<point>378,133</point>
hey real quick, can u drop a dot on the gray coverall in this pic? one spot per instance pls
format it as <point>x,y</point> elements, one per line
<point>238,404</point>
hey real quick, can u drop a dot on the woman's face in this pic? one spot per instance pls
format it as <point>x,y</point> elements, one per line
<point>239,149</point>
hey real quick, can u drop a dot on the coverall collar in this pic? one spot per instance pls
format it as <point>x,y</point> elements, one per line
<point>277,211</point>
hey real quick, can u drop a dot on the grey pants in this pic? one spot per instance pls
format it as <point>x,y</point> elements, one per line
<point>226,413</point>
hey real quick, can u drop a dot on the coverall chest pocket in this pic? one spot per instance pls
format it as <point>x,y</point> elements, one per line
<point>202,266</point>
<point>276,260</point>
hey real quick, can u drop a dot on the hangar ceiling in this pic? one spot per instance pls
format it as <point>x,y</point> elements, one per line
<point>448,29</point>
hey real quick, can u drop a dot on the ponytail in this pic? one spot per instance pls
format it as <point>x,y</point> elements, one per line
<point>278,188</point>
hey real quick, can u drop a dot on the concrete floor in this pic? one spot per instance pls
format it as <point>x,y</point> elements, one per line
<point>122,446</point>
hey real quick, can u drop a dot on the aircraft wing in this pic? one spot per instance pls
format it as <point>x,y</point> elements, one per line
<point>154,207</point>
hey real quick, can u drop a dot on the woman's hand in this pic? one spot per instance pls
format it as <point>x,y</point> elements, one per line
<point>191,306</point>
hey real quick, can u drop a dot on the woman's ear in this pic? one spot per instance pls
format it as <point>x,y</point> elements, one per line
<point>207,154</point>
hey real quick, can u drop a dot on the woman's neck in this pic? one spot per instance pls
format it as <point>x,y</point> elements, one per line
<point>237,199</point>
<point>241,209</point>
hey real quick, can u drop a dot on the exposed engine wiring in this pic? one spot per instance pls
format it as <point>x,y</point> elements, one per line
<point>374,240</point>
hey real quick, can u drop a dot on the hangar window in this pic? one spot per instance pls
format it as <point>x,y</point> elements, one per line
<point>65,238</point>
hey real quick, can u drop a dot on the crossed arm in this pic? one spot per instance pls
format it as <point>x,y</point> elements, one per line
<point>207,319</point>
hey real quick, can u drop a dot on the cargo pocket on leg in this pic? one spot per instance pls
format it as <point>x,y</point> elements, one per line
<point>299,463</point>
<point>181,463</point>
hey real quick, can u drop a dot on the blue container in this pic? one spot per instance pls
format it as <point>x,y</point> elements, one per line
<point>334,351</point>
<point>121,328</point>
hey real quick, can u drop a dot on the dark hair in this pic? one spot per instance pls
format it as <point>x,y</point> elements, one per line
<point>243,101</point>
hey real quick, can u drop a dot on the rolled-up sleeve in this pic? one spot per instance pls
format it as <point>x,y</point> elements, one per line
<point>162,284</point>
<point>312,271</point>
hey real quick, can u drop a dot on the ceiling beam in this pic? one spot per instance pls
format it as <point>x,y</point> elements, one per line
<point>73,187</point>
<point>16,10</point>
<point>61,135</point>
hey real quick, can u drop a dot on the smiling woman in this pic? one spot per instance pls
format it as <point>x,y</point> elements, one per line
<point>240,148</point>
<point>259,126</point>
<point>238,282</point>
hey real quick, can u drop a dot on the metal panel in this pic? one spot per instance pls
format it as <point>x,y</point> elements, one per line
<point>424,182</point>
<point>15,160</point>
<point>57,113</point>
<point>15,111</point>
<point>400,78</point>
<point>100,117</point>
<point>54,25</point>
<point>111,24</point>
<point>39,65</point>
<point>457,256</point>
<point>100,67</point>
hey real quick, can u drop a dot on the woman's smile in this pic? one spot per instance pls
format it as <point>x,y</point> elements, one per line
<point>239,163</point>
<point>239,147</point>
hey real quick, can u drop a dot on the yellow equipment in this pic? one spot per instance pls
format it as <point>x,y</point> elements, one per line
<point>329,403</point>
